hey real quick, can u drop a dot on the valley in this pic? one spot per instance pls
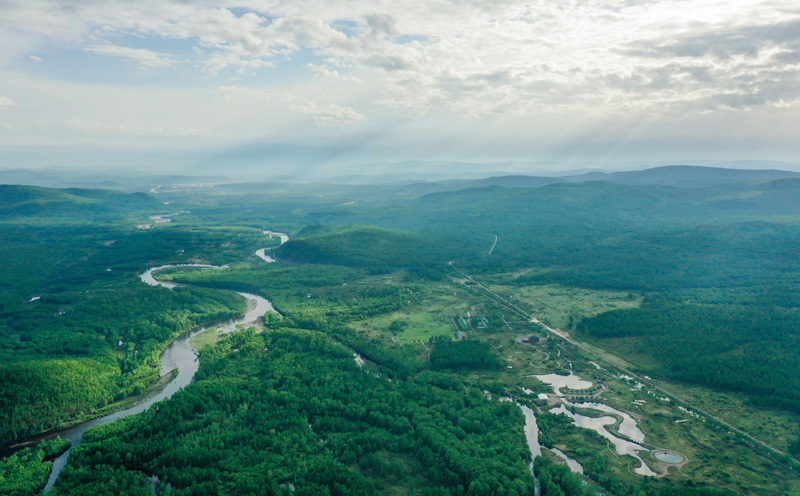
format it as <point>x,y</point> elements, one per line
<point>473,351</point>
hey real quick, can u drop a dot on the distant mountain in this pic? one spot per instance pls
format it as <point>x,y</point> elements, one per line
<point>88,178</point>
<point>33,201</point>
<point>689,176</point>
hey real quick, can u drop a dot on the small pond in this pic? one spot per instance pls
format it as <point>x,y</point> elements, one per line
<point>668,456</point>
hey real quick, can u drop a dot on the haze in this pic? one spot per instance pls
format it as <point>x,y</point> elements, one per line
<point>317,86</point>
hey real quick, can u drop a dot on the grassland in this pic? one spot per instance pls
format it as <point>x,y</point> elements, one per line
<point>205,338</point>
<point>428,316</point>
<point>563,307</point>
<point>776,427</point>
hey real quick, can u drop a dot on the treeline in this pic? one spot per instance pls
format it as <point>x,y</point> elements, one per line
<point>34,204</point>
<point>462,355</point>
<point>290,408</point>
<point>752,349</point>
<point>741,255</point>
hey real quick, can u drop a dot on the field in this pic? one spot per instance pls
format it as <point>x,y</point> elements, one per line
<point>427,317</point>
<point>563,307</point>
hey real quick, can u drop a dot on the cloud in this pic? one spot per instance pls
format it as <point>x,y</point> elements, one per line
<point>470,56</point>
<point>146,58</point>
<point>35,58</point>
<point>327,114</point>
<point>541,69</point>
<point>6,102</point>
<point>724,43</point>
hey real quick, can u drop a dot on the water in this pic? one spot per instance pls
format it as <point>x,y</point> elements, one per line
<point>531,429</point>
<point>599,424</point>
<point>570,381</point>
<point>627,427</point>
<point>284,237</point>
<point>531,433</point>
<point>668,456</point>
<point>573,464</point>
<point>262,253</point>
<point>178,355</point>
<point>147,276</point>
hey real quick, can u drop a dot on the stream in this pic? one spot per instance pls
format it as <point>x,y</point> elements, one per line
<point>178,355</point>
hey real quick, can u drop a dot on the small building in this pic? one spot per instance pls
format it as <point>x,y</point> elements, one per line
<point>531,340</point>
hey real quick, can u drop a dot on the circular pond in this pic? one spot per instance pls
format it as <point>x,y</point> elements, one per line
<point>668,456</point>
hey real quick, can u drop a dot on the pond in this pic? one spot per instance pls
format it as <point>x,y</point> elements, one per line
<point>668,456</point>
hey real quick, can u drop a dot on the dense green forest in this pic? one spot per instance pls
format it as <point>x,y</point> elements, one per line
<point>289,411</point>
<point>292,407</point>
<point>462,355</point>
<point>25,473</point>
<point>733,246</point>
<point>77,329</point>
<point>56,364</point>
<point>752,349</point>
<point>369,246</point>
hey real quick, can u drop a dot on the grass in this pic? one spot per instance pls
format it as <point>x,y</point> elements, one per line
<point>775,427</point>
<point>422,327</point>
<point>205,338</point>
<point>418,325</point>
<point>425,318</point>
<point>563,307</point>
<point>778,428</point>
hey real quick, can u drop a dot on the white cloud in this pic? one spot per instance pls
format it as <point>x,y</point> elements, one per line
<point>6,102</point>
<point>327,114</point>
<point>551,67</point>
<point>34,58</point>
<point>145,58</point>
<point>470,56</point>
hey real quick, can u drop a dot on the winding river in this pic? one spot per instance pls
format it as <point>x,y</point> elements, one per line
<point>262,253</point>
<point>178,355</point>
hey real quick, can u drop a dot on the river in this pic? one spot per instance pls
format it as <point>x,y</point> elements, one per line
<point>178,355</point>
<point>262,253</point>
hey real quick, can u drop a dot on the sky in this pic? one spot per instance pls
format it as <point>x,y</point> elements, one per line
<point>310,85</point>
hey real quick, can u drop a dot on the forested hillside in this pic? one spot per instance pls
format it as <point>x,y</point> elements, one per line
<point>38,204</point>
<point>405,339</point>
<point>78,331</point>
<point>732,245</point>
<point>299,413</point>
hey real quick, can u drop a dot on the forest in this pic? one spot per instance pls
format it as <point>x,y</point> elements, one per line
<point>291,407</point>
<point>286,409</point>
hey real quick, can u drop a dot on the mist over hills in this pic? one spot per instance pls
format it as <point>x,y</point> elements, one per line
<point>404,179</point>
